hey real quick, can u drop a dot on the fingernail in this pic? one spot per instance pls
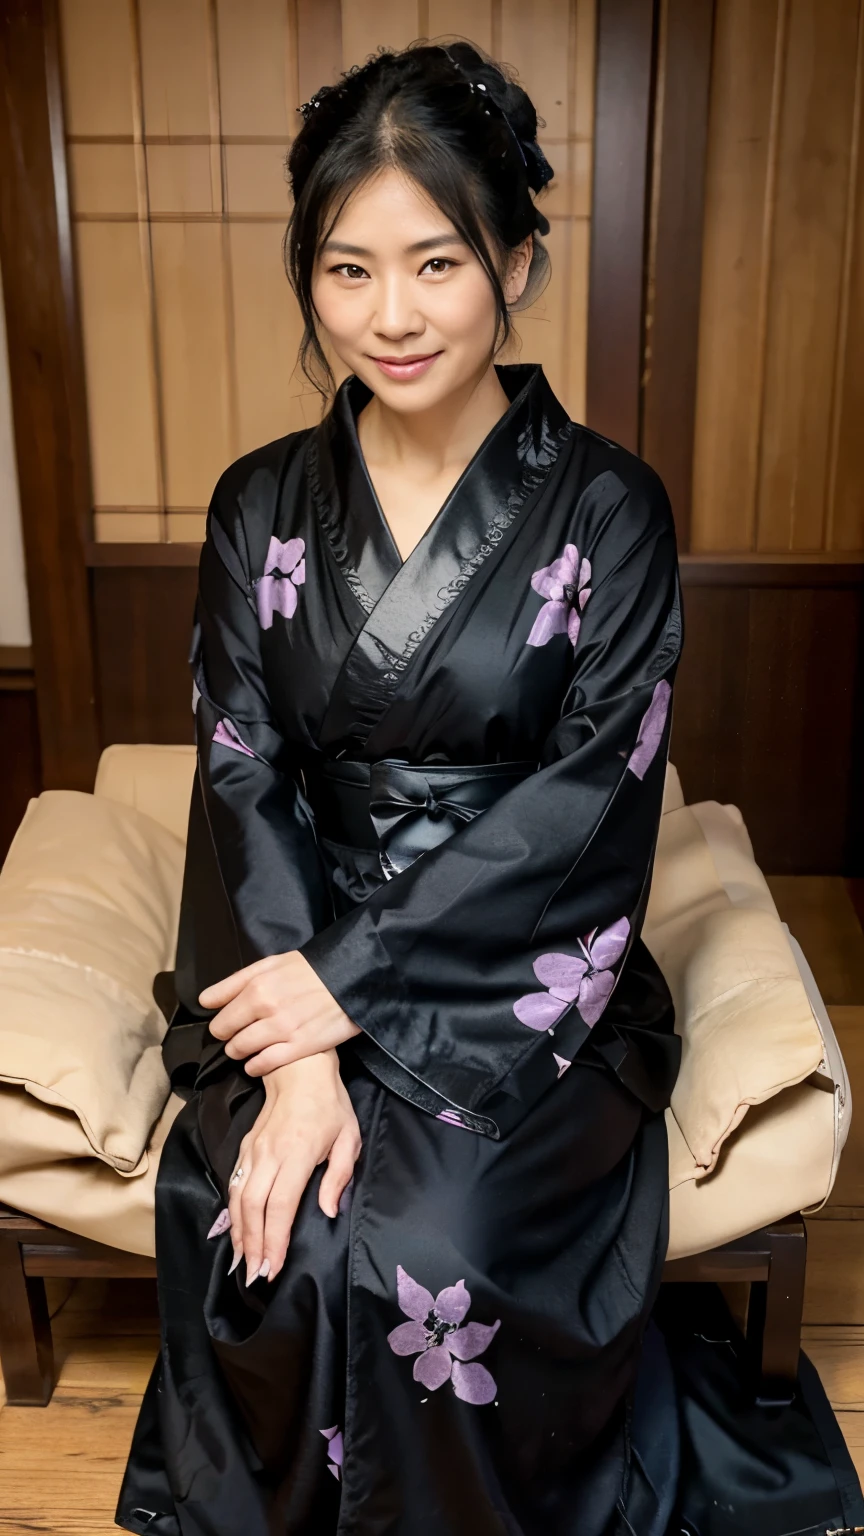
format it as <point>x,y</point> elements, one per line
<point>221,1224</point>
<point>264,1270</point>
<point>237,1258</point>
<point>253,1276</point>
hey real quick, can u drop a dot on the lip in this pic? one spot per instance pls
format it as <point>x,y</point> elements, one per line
<point>406,367</point>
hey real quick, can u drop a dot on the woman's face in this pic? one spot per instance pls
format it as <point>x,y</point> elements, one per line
<point>406,305</point>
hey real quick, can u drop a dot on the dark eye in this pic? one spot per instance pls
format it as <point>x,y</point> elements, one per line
<point>439,264</point>
<point>351,270</point>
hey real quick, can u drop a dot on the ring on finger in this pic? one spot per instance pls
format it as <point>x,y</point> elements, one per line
<point>236,1176</point>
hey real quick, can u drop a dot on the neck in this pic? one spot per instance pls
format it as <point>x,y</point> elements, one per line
<point>448,434</point>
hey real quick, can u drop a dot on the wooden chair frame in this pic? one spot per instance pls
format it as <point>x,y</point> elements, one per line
<point>771,1260</point>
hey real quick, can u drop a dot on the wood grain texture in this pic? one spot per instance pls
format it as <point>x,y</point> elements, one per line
<point>625,42</point>
<point>675,249</point>
<point>804,283</point>
<point>143,630</point>
<point>20,769</point>
<point>767,700</point>
<point>47,387</point>
<point>726,445</point>
<point>845,522</point>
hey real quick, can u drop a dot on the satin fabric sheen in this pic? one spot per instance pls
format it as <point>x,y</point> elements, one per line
<point>517,1051</point>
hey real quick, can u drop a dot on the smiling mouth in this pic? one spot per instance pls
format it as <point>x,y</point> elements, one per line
<point>406,367</point>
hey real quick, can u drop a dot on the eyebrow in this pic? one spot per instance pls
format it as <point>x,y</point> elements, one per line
<point>338,247</point>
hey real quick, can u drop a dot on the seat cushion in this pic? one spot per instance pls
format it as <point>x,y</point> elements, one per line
<point>745,1021</point>
<point>156,780</point>
<point>89,898</point>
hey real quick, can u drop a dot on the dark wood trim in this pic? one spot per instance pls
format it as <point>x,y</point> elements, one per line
<point>142,554</point>
<point>770,571</point>
<point>685,46</point>
<point>16,658</point>
<point>48,390</point>
<point>620,217</point>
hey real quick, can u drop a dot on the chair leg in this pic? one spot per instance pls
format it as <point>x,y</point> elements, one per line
<point>776,1311</point>
<point>26,1346</point>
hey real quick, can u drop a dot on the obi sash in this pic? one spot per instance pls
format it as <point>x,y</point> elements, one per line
<point>400,810</point>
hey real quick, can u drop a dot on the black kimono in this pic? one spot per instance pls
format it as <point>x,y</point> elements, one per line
<point>441,781</point>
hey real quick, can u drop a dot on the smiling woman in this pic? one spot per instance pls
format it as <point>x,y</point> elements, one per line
<point>435,643</point>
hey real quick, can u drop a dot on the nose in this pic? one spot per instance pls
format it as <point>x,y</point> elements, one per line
<point>396,315</point>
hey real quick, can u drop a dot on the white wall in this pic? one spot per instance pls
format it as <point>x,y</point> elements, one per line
<point>14,614</point>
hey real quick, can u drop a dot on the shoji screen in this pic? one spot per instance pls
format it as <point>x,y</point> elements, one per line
<point>178,117</point>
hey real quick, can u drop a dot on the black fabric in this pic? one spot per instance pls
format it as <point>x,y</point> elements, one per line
<point>517,1048</point>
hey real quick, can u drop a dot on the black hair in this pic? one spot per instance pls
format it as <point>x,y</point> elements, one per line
<point>455,122</point>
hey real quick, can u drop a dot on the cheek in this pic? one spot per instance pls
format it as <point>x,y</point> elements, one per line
<point>341,312</point>
<point>464,311</point>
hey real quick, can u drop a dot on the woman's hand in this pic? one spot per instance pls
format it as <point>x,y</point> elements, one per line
<point>307,1118</point>
<point>275,1012</point>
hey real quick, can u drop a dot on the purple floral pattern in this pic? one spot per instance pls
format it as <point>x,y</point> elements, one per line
<point>335,1450</point>
<point>565,585</point>
<point>442,1341</point>
<point>561,1063</point>
<point>650,731</point>
<point>450,1117</point>
<point>284,572</point>
<point>586,980</point>
<point>226,734</point>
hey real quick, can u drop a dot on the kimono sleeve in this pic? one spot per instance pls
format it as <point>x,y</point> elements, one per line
<point>253,882</point>
<point>479,972</point>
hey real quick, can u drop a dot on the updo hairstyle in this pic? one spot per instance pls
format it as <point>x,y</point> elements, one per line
<point>454,122</point>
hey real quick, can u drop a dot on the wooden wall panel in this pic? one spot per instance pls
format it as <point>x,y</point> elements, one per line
<point>258,91</point>
<point>804,279</point>
<point>191,338</point>
<point>143,620</point>
<point>845,489</point>
<point>769,695</point>
<point>475,19</point>
<point>21,770</point>
<point>115,310</point>
<point>195,374</point>
<point>371,24</point>
<point>266,338</point>
<point>99,59</point>
<point>781,366</point>
<point>178,69</point>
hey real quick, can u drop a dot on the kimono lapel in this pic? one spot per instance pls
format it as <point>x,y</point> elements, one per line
<point>404,602</point>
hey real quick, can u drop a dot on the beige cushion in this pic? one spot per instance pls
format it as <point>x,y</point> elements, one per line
<point>156,780</point>
<point>49,1171</point>
<point>745,1021</point>
<point>89,899</point>
<point>778,1162</point>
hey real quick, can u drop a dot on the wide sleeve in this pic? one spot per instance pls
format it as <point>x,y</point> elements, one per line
<point>253,883</point>
<point>479,972</point>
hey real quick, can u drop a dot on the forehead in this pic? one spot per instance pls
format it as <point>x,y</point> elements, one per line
<point>389,211</point>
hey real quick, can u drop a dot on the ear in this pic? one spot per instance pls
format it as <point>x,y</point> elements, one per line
<point>517,270</point>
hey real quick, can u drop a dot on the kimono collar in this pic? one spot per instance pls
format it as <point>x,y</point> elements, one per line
<point>519,446</point>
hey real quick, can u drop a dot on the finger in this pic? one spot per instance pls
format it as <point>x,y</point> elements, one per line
<point>280,1055</point>
<point>253,1204</point>
<point>340,1169</point>
<point>282,1204</point>
<point>235,1210</point>
<point>244,1009</point>
<point>249,1039</point>
<point>221,992</point>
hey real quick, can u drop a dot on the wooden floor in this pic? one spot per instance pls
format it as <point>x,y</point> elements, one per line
<point>61,1466</point>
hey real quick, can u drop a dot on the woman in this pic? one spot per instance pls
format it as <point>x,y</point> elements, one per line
<point>435,643</point>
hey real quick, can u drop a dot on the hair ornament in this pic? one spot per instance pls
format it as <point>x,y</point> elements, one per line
<point>537,167</point>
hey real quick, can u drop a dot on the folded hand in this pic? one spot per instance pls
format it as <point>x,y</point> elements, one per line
<point>275,1012</point>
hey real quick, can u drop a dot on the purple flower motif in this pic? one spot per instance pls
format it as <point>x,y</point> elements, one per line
<point>284,572</point>
<point>564,584</point>
<point>562,1064</point>
<point>442,1340</point>
<point>227,735</point>
<point>650,731</point>
<point>335,1450</point>
<point>450,1117</point>
<point>586,980</point>
<point>221,1224</point>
